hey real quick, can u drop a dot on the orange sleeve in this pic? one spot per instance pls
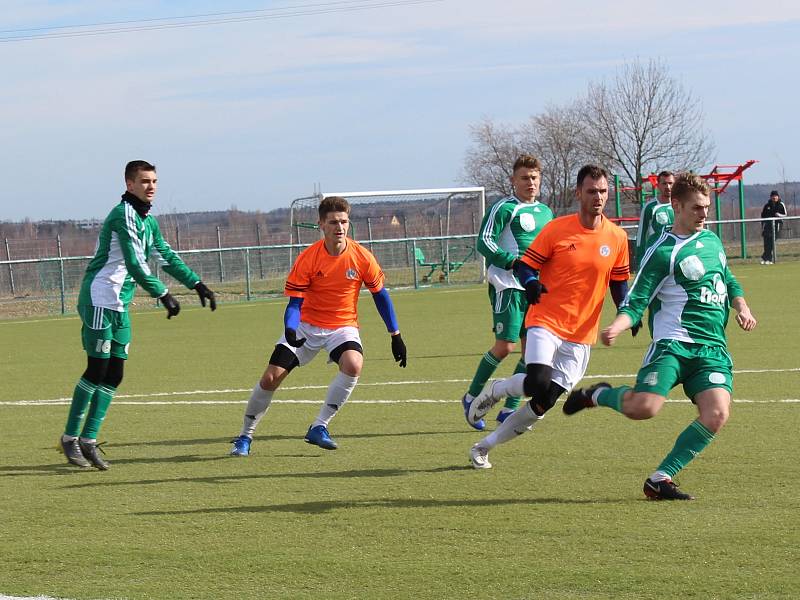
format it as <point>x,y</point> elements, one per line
<point>299,278</point>
<point>373,274</point>
<point>540,250</point>
<point>621,270</point>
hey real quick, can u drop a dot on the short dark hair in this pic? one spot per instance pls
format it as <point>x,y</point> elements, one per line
<point>333,204</point>
<point>665,174</point>
<point>133,167</point>
<point>592,171</point>
<point>526,161</point>
<point>688,183</point>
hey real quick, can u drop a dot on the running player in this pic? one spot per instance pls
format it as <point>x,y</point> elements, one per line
<point>128,237</point>
<point>686,282</point>
<point>506,231</point>
<point>565,272</point>
<point>323,288</point>
<point>656,215</point>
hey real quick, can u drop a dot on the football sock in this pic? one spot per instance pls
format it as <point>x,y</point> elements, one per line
<point>611,397</point>
<point>513,386</point>
<point>257,407</point>
<point>81,398</point>
<point>97,411</point>
<point>513,402</point>
<point>691,442</point>
<point>338,392</point>
<point>486,368</point>
<point>518,423</point>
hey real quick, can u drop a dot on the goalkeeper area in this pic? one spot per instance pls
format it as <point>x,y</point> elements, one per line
<point>396,511</point>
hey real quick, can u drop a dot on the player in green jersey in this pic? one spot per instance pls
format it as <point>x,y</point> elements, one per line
<point>128,237</point>
<point>656,215</point>
<point>685,280</point>
<point>506,232</point>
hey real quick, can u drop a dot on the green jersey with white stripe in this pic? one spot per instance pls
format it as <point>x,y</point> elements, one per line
<point>653,220</point>
<point>120,261</point>
<point>506,232</point>
<point>688,287</point>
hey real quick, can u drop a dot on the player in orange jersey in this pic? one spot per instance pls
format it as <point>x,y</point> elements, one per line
<point>323,288</point>
<point>565,272</point>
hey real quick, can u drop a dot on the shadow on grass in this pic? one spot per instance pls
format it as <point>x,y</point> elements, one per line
<point>331,505</point>
<point>66,469</point>
<point>226,479</point>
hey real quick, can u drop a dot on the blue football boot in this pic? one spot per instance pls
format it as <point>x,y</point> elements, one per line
<point>319,436</point>
<point>466,400</point>
<point>241,446</point>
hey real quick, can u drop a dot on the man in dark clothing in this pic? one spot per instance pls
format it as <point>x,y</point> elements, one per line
<point>769,228</point>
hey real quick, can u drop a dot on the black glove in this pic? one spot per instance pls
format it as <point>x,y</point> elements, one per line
<point>291,337</point>
<point>534,290</point>
<point>172,306</point>
<point>635,329</point>
<point>205,293</point>
<point>399,350</point>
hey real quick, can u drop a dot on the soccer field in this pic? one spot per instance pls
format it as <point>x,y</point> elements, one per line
<point>397,511</point>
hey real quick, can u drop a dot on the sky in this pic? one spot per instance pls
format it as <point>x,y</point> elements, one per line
<point>254,114</point>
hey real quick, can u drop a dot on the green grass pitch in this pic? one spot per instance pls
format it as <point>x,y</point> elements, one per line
<point>396,512</point>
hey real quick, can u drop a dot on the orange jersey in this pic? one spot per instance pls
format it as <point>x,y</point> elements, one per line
<point>329,285</point>
<point>575,265</point>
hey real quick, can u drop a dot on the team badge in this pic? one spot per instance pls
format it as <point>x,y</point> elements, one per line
<point>692,268</point>
<point>651,378</point>
<point>351,274</point>
<point>527,222</point>
<point>716,378</point>
<point>662,218</point>
<point>605,250</point>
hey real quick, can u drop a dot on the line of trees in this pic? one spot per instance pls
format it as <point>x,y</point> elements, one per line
<point>640,121</point>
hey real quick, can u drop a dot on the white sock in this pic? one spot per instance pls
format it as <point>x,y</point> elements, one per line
<point>338,392</point>
<point>659,476</point>
<point>68,438</point>
<point>257,407</point>
<point>513,386</point>
<point>518,423</point>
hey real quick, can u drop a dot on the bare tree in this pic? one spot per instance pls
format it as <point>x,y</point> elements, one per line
<point>556,139</point>
<point>489,160</point>
<point>645,120</point>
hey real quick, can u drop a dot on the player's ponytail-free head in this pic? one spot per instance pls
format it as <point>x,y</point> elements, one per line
<point>688,183</point>
<point>333,204</point>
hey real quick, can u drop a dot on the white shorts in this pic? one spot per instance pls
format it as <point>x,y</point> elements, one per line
<point>568,359</point>
<point>318,338</point>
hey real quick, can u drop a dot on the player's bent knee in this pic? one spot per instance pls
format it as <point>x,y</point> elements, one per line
<point>642,406</point>
<point>537,380</point>
<point>283,357</point>
<point>115,371</point>
<point>350,358</point>
<point>96,369</point>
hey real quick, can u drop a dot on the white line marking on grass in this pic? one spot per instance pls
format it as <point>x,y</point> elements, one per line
<point>67,401</point>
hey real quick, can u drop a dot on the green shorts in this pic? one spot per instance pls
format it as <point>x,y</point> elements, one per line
<point>508,313</point>
<point>697,366</point>
<point>105,332</point>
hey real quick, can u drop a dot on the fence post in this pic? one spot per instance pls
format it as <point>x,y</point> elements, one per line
<point>369,232</point>
<point>247,286</point>
<point>61,271</point>
<point>405,235</point>
<point>742,229</point>
<point>260,252</point>
<point>177,238</point>
<point>10,270</point>
<point>414,263</point>
<point>219,245</point>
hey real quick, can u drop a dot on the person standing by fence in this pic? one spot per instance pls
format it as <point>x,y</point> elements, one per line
<point>771,227</point>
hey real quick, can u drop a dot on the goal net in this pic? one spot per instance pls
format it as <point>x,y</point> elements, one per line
<point>418,236</point>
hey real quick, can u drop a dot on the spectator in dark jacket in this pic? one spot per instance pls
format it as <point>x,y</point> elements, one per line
<point>771,226</point>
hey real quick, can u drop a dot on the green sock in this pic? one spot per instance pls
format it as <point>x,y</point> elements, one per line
<point>689,444</point>
<point>97,411</point>
<point>486,367</point>
<point>80,400</point>
<point>513,402</point>
<point>612,397</point>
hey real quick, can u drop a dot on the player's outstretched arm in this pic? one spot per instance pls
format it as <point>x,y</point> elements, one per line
<point>619,291</point>
<point>618,325</point>
<point>744,317</point>
<point>383,303</point>
<point>291,321</point>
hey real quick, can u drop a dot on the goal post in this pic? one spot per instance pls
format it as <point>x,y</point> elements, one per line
<point>425,235</point>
